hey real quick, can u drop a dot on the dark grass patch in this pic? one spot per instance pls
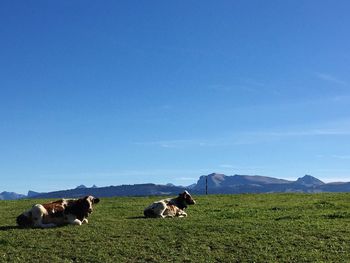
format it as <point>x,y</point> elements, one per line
<point>4,242</point>
<point>275,208</point>
<point>337,215</point>
<point>288,217</point>
<point>6,228</point>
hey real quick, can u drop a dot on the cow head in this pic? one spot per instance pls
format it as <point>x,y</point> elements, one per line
<point>187,198</point>
<point>86,204</point>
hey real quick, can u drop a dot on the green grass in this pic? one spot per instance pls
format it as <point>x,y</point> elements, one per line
<point>219,228</point>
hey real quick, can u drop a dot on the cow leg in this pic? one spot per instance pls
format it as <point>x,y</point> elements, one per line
<point>184,214</point>
<point>71,219</point>
<point>76,222</point>
<point>168,215</point>
<point>170,211</point>
<point>160,209</point>
<point>181,213</point>
<point>38,213</point>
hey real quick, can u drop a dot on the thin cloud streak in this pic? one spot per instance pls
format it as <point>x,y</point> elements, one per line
<point>246,138</point>
<point>330,78</point>
<point>247,85</point>
<point>315,132</point>
<point>231,169</point>
<point>341,157</point>
<point>175,143</point>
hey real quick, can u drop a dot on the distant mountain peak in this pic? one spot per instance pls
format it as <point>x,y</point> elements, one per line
<point>32,193</point>
<point>216,179</point>
<point>215,175</point>
<point>80,186</point>
<point>309,180</point>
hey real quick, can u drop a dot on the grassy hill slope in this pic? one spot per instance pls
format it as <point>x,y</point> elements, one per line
<point>220,228</point>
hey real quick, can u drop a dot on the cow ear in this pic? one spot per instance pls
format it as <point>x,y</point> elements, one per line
<point>96,200</point>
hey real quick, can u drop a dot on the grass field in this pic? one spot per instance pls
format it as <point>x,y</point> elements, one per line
<point>219,228</point>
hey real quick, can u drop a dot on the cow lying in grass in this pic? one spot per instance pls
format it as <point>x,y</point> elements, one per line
<point>61,212</point>
<point>170,207</point>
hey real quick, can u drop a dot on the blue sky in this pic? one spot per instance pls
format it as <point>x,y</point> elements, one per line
<point>124,92</point>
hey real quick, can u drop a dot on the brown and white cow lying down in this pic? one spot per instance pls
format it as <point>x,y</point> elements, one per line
<point>170,207</point>
<point>57,213</point>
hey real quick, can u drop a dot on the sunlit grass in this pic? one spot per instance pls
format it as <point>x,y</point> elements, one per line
<point>219,228</point>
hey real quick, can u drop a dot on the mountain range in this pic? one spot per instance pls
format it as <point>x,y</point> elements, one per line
<point>216,184</point>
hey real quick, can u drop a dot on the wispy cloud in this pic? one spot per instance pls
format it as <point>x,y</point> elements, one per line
<point>316,132</point>
<point>245,85</point>
<point>341,157</point>
<point>238,168</point>
<point>340,99</point>
<point>257,137</point>
<point>254,82</point>
<point>242,139</point>
<point>330,78</point>
<point>181,143</point>
<point>254,137</point>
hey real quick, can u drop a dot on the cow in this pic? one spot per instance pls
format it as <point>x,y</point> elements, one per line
<point>57,213</point>
<point>170,207</point>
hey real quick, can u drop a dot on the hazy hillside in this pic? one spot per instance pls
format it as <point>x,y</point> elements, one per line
<point>217,184</point>
<point>223,184</point>
<point>122,190</point>
<point>10,196</point>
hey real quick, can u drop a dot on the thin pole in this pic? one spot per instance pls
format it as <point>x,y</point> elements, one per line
<point>206,185</point>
